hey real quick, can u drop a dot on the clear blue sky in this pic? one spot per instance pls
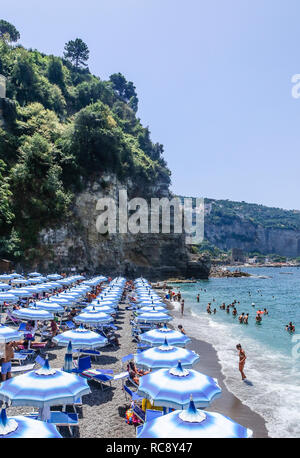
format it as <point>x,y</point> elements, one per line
<point>213,79</point>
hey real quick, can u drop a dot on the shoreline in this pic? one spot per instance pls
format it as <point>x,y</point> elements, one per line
<point>228,404</point>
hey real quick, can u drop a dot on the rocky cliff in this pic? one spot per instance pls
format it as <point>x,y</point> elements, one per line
<point>270,231</point>
<point>77,243</point>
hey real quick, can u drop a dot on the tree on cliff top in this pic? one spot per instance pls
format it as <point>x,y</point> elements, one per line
<point>8,32</point>
<point>77,52</point>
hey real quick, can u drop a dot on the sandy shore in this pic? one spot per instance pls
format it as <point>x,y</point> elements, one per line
<point>103,412</point>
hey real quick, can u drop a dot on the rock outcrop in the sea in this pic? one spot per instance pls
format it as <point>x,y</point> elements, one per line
<point>77,243</point>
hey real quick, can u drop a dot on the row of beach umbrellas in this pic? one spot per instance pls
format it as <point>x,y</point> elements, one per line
<point>48,386</point>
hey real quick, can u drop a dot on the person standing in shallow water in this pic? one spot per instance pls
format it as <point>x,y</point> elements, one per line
<point>242,360</point>
<point>182,306</point>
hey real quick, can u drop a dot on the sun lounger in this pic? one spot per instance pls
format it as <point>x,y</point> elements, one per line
<point>59,418</point>
<point>22,368</point>
<point>139,413</point>
<point>11,319</point>
<point>20,357</point>
<point>91,353</point>
<point>97,376</point>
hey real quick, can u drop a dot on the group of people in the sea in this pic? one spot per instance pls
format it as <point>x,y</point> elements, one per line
<point>243,317</point>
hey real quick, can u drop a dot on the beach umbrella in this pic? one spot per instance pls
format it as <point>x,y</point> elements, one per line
<point>150,308</point>
<point>165,356</point>
<point>193,423</point>
<point>59,300</point>
<point>98,303</point>
<point>34,274</point>
<point>6,277</point>
<point>4,287</point>
<point>53,285</point>
<point>172,387</point>
<point>54,277</point>
<point>81,338</point>
<point>20,427</point>
<point>157,337</point>
<point>153,317</point>
<point>7,297</point>
<point>20,281</point>
<point>93,317</point>
<point>32,313</point>
<point>20,292</point>
<point>43,388</point>
<point>50,306</point>
<point>8,334</point>
<point>100,308</point>
<point>15,275</point>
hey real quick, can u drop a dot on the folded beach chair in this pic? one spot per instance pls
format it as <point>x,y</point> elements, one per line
<point>148,415</point>
<point>22,327</point>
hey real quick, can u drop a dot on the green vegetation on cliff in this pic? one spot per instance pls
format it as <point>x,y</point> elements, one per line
<point>63,127</point>
<point>226,211</point>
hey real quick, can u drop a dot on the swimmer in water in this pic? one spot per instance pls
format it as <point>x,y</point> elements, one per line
<point>241,318</point>
<point>246,318</point>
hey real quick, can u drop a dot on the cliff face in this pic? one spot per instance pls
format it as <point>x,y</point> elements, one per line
<point>77,243</point>
<point>253,237</point>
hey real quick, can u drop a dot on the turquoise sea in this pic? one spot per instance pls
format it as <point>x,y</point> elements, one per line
<point>273,354</point>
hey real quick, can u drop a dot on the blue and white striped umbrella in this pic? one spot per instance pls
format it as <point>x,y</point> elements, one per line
<point>34,274</point>
<point>50,306</point>
<point>153,317</point>
<point>21,427</point>
<point>4,287</point>
<point>151,308</point>
<point>32,313</point>
<point>20,292</point>
<point>157,337</point>
<point>80,338</point>
<point>64,302</point>
<point>7,297</point>
<point>20,281</point>
<point>165,356</point>
<point>193,423</point>
<point>100,308</point>
<point>54,277</point>
<point>44,387</point>
<point>93,317</point>
<point>97,303</point>
<point>8,334</point>
<point>173,387</point>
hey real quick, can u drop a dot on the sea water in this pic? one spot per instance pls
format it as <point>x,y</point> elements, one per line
<point>273,354</point>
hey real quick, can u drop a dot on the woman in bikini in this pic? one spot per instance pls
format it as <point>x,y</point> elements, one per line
<point>242,360</point>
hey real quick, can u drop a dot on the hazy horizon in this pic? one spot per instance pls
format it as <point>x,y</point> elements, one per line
<point>213,81</point>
